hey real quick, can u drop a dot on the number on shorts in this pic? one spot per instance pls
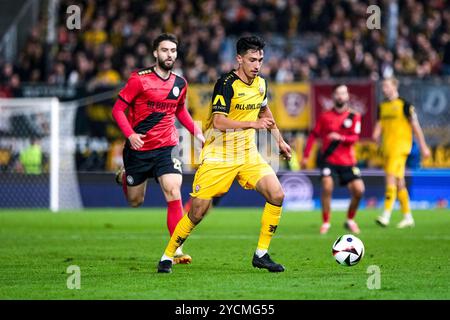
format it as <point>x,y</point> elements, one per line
<point>177,164</point>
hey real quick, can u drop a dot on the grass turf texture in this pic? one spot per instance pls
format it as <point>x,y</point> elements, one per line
<point>117,251</point>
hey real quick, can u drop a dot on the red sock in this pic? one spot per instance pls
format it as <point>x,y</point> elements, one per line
<point>325,216</point>
<point>124,184</point>
<point>351,214</point>
<point>174,214</point>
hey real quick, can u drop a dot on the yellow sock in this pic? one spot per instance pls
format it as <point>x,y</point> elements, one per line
<point>269,223</point>
<point>403,198</point>
<point>389,199</point>
<point>180,234</point>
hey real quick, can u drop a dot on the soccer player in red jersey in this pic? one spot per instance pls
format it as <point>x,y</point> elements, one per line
<point>338,129</point>
<point>154,97</point>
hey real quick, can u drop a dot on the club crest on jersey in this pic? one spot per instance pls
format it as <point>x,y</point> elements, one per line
<point>176,91</point>
<point>348,123</point>
<point>261,90</point>
<point>197,188</point>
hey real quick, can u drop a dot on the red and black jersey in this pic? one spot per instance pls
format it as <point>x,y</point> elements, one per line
<point>337,152</point>
<point>152,105</point>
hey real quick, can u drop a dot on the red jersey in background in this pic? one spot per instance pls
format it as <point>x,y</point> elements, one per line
<point>336,152</point>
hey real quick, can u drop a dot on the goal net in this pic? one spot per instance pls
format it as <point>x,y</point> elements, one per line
<point>37,147</point>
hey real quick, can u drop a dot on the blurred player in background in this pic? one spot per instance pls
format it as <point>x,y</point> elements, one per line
<point>154,97</point>
<point>397,121</point>
<point>338,129</point>
<point>239,107</point>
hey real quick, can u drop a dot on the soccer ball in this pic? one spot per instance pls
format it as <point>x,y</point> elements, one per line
<point>348,250</point>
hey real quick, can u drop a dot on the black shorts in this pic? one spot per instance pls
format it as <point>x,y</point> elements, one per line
<point>345,174</point>
<point>141,165</point>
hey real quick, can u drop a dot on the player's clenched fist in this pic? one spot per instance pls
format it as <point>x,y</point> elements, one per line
<point>264,123</point>
<point>136,141</point>
<point>285,150</point>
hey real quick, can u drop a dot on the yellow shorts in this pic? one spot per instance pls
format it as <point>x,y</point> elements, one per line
<point>215,179</point>
<point>395,165</point>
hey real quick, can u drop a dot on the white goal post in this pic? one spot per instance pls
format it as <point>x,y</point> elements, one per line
<point>31,178</point>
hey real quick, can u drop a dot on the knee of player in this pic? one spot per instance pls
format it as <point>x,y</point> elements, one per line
<point>401,184</point>
<point>277,196</point>
<point>359,192</point>
<point>173,193</point>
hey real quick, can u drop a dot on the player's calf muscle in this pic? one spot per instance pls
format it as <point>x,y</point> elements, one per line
<point>198,210</point>
<point>136,196</point>
<point>136,201</point>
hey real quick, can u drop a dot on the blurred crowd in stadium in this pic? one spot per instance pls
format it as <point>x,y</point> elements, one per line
<point>116,37</point>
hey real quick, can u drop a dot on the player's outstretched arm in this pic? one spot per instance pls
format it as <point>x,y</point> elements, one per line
<point>223,123</point>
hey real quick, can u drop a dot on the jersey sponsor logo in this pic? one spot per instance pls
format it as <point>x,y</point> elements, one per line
<point>219,99</point>
<point>388,117</point>
<point>250,106</point>
<point>241,94</point>
<point>161,106</point>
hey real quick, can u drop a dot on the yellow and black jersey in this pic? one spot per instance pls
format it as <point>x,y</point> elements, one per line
<point>238,101</point>
<point>396,130</point>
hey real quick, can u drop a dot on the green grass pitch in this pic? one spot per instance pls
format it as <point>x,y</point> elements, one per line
<point>117,252</point>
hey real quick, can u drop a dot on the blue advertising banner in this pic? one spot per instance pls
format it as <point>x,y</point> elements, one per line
<point>429,188</point>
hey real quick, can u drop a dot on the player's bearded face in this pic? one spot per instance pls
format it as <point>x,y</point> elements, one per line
<point>341,96</point>
<point>166,54</point>
<point>251,62</point>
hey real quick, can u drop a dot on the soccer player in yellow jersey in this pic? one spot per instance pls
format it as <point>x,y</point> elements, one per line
<point>239,107</point>
<point>397,121</point>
